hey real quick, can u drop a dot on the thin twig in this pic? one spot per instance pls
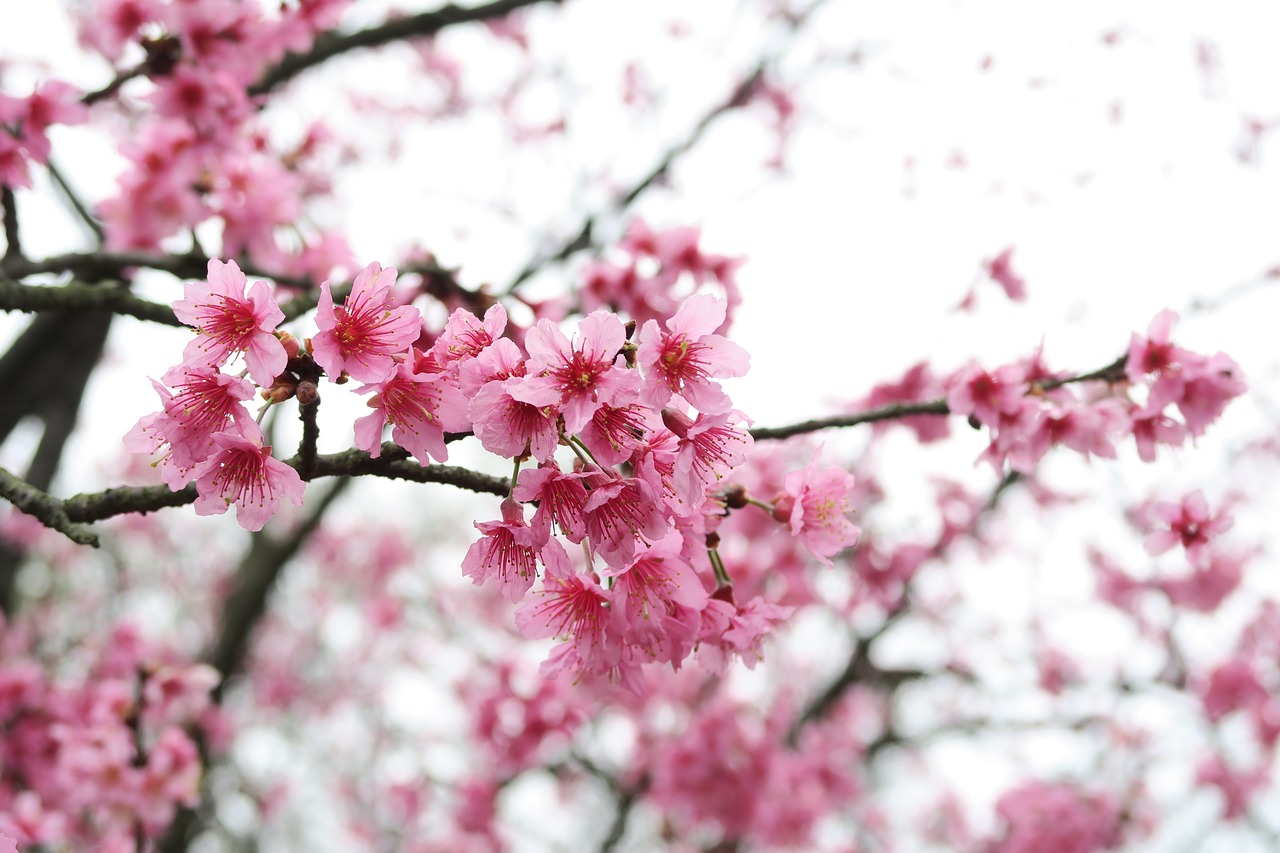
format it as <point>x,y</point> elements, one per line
<point>15,296</point>
<point>422,25</point>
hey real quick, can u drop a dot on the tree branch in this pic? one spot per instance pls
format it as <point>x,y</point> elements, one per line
<point>73,200</point>
<point>12,239</point>
<point>15,296</point>
<point>1113,372</point>
<point>423,25</point>
<point>43,506</point>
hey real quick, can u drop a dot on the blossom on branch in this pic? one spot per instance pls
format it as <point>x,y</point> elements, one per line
<point>228,322</point>
<point>365,335</point>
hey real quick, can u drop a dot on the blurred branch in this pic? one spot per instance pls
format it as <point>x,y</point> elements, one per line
<point>254,579</point>
<point>740,96</point>
<point>1113,372</point>
<point>12,240</point>
<point>15,296</point>
<point>583,240</point>
<point>43,506</point>
<point>102,266</point>
<point>860,669</point>
<point>73,200</point>
<point>423,25</point>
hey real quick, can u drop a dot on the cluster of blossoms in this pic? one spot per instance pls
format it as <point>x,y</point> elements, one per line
<point>1028,409</point>
<point>105,760</point>
<point>24,126</point>
<point>201,152</point>
<point>652,434</point>
<point>649,270</point>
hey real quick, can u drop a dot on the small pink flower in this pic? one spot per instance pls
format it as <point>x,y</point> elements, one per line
<point>1000,268</point>
<point>709,448</point>
<point>510,427</point>
<point>465,336</point>
<point>688,356</point>
<point>420,408</point>
<point>227,322</point>
<point>242,472</point>
<point>986,396</point>
<point>561,498</point>
<point>1188,523</point>
<point>509,551</point>
<point>204,402</point>
<point>365,334</point>
<point>618,514</point>
<point>813,504</point>
<point>578,378</point>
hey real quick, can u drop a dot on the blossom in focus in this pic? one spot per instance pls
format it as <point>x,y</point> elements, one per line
<point>229,322</point>
<point>242,472</point>
<point>365,334</point>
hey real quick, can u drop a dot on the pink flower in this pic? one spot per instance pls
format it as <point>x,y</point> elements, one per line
<point>577,378</point>
<point>684,359</point>
<point>242,472</point>
<point>420,408</point>
<point>509,551</point>
<point>228,322</point>
<point>465,336</point>
<point>510,427</point>
<point>203,401</point>
<point>575,608</point>
<point>986,396</point>
<point>365,334</point>
<point>614,433</point>
<point>1187,523</point>
<point>813,505</point>
<point>561,498</point>
<point>709,448</point>
<point>619,513</point>
<point>1000,268</point>
<point>658,601</point>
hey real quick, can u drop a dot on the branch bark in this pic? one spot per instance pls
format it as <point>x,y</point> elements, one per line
<point>423,25</point>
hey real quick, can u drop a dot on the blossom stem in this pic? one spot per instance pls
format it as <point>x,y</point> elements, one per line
<point>515,475</point>
<point>717,566</point>
<point>767,507</point>
<point>262,413</point>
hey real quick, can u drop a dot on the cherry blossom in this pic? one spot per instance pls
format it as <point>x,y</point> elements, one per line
<point>228,322</point>
<point>364,336</point>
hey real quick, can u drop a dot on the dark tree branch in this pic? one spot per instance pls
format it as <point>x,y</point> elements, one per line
<point>108,266</point>
<point>15,296</point>
<point>12,238</point>
<point>73,200</point>
<point>351,463</point>
<point>423,25</point>
<point>43,506</point>
<point>255,578</point>
<point>91,98</point>
<point>1113,372</point>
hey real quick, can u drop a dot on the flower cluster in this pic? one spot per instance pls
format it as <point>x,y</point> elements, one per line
<point>648,429</point>
<point>24,125</point>
<point>1028,409</point>
<point>103,760</point>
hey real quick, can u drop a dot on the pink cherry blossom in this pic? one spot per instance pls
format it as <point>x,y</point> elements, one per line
<point>709,449</point>
<point>813,505</point>
<point>1188,523</point>
<point>228,323</point>
<point>366,334</point>
<point>242,472</point>
<point>510,427</point>
<point>689,355</point>
<point>508,551</point>
<point>465,336</point>
<point>561,499</point>
<point>421,407</point>
<point>620,513</point>
<point>579,377</point>
<point>204,402</point>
